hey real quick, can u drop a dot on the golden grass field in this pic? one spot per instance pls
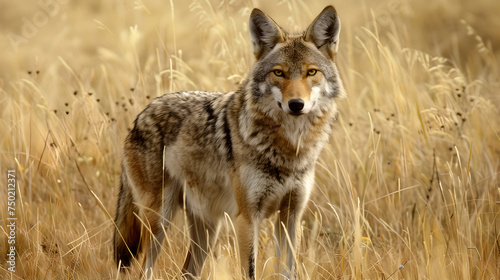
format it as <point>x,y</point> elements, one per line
<point>408,188</point>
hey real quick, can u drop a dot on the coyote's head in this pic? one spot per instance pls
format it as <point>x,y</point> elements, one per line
<point>295,73</point>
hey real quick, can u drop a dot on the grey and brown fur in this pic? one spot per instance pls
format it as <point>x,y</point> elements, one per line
<point>248,153</point>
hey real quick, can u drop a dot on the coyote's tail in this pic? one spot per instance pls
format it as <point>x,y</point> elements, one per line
<point>127,234</point>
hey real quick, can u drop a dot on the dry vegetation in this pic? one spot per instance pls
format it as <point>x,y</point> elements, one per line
<point>408,188</point>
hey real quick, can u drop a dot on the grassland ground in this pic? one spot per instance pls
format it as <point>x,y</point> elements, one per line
<point>408,188</point>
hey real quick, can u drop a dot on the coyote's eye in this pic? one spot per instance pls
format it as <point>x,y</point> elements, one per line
<point>312,72</point>
<point>278,73</point>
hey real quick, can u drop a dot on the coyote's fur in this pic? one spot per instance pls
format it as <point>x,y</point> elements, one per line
<point>248,153</point>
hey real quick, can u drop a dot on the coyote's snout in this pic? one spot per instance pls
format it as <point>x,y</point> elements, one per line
<point>247,153</point>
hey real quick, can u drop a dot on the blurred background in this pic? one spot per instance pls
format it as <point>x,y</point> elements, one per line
<point>408,188</point>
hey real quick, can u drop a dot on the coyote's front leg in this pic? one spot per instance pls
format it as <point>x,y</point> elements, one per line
<point>247,230</point>
<point>288,231</point>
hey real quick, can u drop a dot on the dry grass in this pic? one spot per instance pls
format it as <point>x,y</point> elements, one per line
<point>408,188</point>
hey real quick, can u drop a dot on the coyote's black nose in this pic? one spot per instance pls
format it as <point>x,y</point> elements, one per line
<point>296,104</point>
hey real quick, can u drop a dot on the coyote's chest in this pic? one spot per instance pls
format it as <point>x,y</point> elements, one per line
<point>273,159</point>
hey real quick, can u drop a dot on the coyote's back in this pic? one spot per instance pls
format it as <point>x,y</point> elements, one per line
<point>247,153</point>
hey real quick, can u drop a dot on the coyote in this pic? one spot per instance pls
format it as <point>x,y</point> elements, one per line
<point>248,153</point>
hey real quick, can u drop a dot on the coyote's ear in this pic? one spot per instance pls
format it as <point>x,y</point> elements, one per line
<point>324,31</point>
<point>264,32</point>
